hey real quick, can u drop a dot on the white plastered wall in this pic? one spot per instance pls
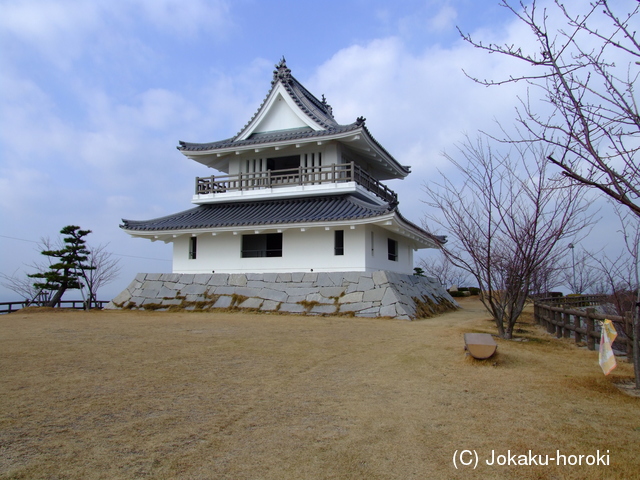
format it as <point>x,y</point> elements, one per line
<point>377,258</point>
<point>302,251</point>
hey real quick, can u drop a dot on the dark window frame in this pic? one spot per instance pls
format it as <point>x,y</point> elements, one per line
<point>392,249</point>
<point>193,248</point>
<point>338,242</point>
<point>261,245</point>
<point>288,162</point>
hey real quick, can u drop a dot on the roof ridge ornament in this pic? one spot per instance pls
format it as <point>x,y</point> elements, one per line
<point>360,121</point>
<point>326,106</point>
<point>281,72</point>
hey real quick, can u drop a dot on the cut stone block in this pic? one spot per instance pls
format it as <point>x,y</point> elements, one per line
<point>351,297</point>
<point>238,279</point>
<point>365,294</point>
<point>223,302</point>
<point>253,303</point>
<point>269,306</point>
<point>292,308</point>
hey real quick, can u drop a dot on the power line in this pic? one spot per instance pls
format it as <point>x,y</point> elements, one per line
<point>118,254</point>
<point>145,258</point>
<point>21,239</point>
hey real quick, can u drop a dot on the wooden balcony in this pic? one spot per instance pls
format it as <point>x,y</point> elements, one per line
<point>336,173</point>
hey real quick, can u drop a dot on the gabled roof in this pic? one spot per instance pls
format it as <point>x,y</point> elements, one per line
<point>289,113</point>
<point>273,213</point>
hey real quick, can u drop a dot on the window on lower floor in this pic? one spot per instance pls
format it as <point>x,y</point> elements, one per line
<point>283,163</point>
<point>338,242</point>
<point>393,249</point>
<point>262,245</point>
<point>193,248</point>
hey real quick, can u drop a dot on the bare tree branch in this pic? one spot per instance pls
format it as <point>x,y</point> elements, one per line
<point>594,123</point>
<point>505,223</point>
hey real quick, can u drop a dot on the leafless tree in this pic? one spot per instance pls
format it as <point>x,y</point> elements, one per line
<point>616,282</point>
<point>24,285</point>
<point>579,272</point>
<point>620,279</point>
<point>19,284</point>
<point>505,223</point>
<point>446,272</point>
<point>631,231</point>
<point>547,277</point>
<point>585,72</point>
<point>105,270</point>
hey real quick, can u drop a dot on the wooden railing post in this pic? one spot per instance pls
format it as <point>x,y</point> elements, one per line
<point>628,331</point>
<point>551,328</point>
<point>577,326</point>
<point>591,341</point>
<point>566,323</point>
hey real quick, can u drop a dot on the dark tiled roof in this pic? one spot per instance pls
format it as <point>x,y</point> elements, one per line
<point>268,212</point>
<point>318,110</point>
<point>267,137</point>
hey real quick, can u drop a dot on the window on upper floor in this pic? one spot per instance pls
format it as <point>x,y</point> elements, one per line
<point>283,163</point>
<point>262,245</point>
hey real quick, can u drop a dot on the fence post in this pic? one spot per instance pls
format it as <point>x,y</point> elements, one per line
<point>551,328</point>
<point>628,331</point>
<point>566,324</point>
<point>557,317</point>
<point>577,324</point>
<point>591,341</point>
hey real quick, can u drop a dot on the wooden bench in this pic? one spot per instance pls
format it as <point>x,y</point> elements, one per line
<point>480,345</point>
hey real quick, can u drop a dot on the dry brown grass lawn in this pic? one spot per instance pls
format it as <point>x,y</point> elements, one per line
<point>124,395</point>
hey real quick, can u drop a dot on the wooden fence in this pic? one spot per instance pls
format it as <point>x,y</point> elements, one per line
<point>560,317</point>
<point>9,307</point>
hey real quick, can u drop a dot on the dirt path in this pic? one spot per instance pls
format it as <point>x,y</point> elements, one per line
<point>124,395</point>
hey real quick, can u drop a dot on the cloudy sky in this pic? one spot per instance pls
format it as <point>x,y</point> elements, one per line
<point>96,94</point>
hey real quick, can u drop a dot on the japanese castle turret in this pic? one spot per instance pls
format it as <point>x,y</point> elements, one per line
<point>294,192</point>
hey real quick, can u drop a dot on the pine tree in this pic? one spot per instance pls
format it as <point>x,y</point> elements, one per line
<point>65,273</point>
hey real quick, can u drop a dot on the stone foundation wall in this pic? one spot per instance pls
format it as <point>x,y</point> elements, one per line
<point>361,294</point>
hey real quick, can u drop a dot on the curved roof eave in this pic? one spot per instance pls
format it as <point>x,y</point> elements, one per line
<point>317,111</point>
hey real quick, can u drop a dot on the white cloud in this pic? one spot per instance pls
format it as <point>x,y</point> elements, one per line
<point>80,149</point>
<point>186,18</point>
<point>63,31</point>
<point>444,19</point>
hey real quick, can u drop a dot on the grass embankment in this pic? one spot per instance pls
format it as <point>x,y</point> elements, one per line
<point>123,395</point>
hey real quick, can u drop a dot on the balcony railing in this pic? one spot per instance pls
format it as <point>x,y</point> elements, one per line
<point>335,173</point>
